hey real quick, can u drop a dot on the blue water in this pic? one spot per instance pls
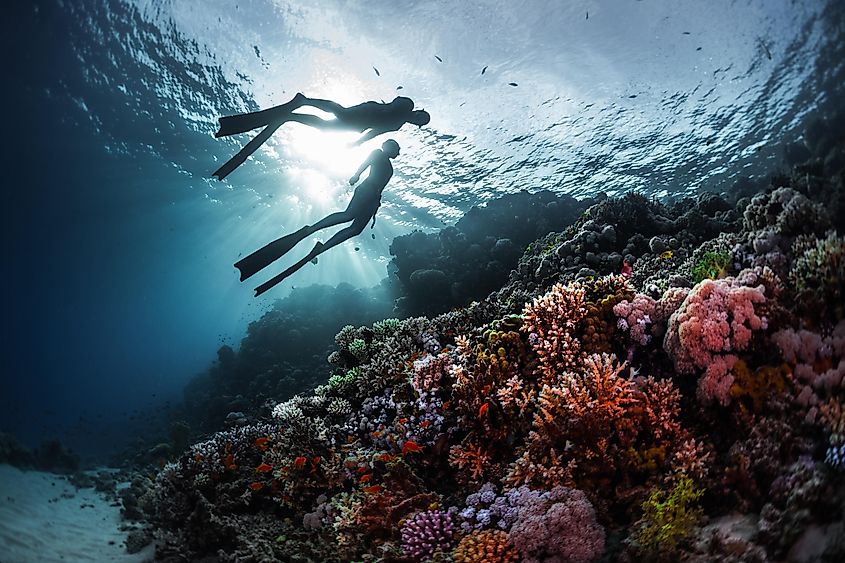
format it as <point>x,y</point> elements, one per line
<point>119,277</point>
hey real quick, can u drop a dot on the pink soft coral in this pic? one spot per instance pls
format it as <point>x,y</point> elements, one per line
<point>715,320</point>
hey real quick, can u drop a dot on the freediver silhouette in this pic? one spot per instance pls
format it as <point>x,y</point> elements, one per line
<point>370,118</point>
<point>363,207</point>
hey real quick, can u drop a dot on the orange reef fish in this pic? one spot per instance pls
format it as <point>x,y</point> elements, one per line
<point>373,489</point>
<point>256,486</point>
<point>411,446</point>
<point>386,457</point>
<point>230,462</point>
<point>263,468</point>
<point>365,478</point>
<point>262,442</point>
<point>299,462</point>
<point>483,410</point>
<point>425,423</point>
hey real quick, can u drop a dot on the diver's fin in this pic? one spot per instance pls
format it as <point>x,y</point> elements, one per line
<point>268,254</point>
<point>290,271</point>
<point>243,122</point>
<point>250,148</point>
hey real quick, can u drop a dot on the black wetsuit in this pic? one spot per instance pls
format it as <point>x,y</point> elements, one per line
<point>367,197</point>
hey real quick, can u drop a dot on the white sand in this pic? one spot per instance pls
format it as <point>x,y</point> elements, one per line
<point>32,529</point>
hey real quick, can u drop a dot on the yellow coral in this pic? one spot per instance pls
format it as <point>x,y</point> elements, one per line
<point>760,384</point>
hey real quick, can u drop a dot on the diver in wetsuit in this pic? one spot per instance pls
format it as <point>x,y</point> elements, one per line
<point>363,207</point>
<point>370,118</point>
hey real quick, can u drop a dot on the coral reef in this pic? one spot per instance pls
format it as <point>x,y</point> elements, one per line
<point>648,385</point>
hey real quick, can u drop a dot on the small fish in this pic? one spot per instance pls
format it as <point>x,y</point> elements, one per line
<point>363,469</point>
<point>365,478</point>
<point>385,457</point>
<point>446,404</point>
<point>229,462</point>
<point>262,442</point>
<point>264,468</point>
<point>317,460</point>
<point>514,84</point>
<point>377,72</point>
<point>256,486</point>
<point>438,58</point>
<point>299,462</point>
<point>411,447</point>
<point>698,48</point>
<point>374,236</point>
<point>483,70</point>
<point>632,96</point>
<point>398,87</point>
<point>372,490</point>
<point>666,254</point>
<point>199,457</point>
<point>588,16</point>
<point>425,423</point>
<point>403,421</point>
<point>483,410</point>
<point>686,32</point>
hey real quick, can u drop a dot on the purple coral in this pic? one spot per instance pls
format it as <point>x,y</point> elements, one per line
<point>426,533</point>
<point>557,526</point>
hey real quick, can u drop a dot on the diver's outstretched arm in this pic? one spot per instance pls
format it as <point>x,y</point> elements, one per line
<point>357,176</point>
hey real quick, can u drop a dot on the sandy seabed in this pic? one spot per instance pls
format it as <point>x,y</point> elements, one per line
<point>43,518</point>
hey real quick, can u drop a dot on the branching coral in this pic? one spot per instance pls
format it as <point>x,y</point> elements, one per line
<point>550,321</point>
<point>668,518</point>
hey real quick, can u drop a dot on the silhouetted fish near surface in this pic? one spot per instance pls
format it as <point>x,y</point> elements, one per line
<point>686,32</point>
<point>512,84</point>
<point>377,72</point>
<point>374,236</point>
<point>632,96</point>
<point>483,70</point>
<point>438,58</point>
<point>398,87</point>
<point>588,16</point>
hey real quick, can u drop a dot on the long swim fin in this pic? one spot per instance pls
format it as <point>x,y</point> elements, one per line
<point>269,253</point>
<point>245,152</point>
<point>318,248</point>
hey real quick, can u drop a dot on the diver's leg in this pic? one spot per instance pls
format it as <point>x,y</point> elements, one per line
<point>271,252</point>
<point>325,105</point>
<point>317,122</point>
<point>331,221</point>
<point>355,228</point>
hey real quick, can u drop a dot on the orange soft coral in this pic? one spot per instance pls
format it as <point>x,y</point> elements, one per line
<point>488,546</point>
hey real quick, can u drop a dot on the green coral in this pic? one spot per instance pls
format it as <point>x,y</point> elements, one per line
<point>668,519</point>
<point>358,348</point>
<point>713,265</point>
<point>385,328</point>
<point>340,384</point>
